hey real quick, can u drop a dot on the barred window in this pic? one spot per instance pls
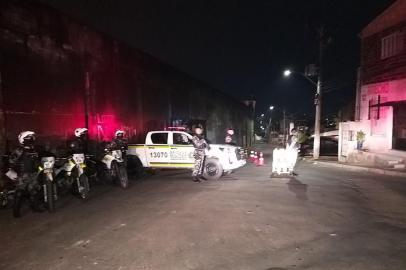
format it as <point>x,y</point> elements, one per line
<point>392,44</point>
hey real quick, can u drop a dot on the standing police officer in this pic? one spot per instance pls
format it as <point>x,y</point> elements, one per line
<point>230,137</point>
<point>79,144</point>
<point>200,145</point>
<point>119,142</point>
<point>23,163</point>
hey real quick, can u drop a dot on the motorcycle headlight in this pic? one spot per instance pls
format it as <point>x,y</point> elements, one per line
<point>48,165</point>
<point>117,154</point>
<point>78,158</point>
<point>48,162</point>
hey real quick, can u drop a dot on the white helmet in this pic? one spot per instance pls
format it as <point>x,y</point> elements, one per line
<point>80,131</point>
<point>23,136</point>
<point>119,132</point>
<point>230,131</point>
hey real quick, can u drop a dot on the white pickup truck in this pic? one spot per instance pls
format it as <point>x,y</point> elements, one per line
<point>173,149</point>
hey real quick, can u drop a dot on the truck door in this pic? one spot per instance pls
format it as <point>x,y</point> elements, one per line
<point>181,150</point>
<point>158,150</point>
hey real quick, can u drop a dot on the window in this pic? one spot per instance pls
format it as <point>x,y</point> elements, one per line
<point>179,138</point>
<point>392,45</point>
<point>159,138</point>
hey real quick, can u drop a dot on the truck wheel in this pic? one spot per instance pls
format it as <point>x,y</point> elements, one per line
<point>212,169</point>
<point>135,169</point>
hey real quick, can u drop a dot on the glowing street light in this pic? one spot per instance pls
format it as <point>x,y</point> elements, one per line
<point>287,73</point>
<point>271,108</point>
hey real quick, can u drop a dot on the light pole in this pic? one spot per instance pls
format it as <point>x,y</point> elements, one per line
<point>317,102</point>
<point>269,129</point>
<point>271,108</point>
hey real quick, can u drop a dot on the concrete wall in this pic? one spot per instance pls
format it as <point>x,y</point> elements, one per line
<point>380,131</point>
<point>58,75</point>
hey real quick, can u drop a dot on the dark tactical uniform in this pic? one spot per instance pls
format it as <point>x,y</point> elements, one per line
<point>118,144</point>
<point>24,161</point>
<point>200,145</point>
<point>77,146</point>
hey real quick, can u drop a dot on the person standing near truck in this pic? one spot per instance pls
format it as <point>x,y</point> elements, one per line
<point>200,145</point>
<point>229,139</point>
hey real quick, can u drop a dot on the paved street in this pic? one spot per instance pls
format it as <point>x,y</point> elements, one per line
<point>323,218</point>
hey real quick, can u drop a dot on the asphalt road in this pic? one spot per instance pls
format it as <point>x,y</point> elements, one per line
<point>321,219</point>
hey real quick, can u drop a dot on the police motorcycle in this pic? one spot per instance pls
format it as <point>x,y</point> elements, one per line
<point>46,175</point>
<point>74,170</point>
<point>114,163</point>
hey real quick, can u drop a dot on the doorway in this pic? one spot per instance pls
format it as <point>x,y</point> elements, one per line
<point>399,127</point>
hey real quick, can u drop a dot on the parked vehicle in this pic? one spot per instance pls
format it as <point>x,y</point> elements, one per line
<point>75,176</point>
<point>173,149</point>
<point>115,167</point>
<point>328,147</point>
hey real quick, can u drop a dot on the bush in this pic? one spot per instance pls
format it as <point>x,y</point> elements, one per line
<point>360,136</point>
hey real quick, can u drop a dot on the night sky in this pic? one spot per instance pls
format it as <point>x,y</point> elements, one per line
<point>242,47</point>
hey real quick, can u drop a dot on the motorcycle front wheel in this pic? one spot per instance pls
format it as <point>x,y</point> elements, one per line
<point>84,187</point>
<point>50,196</point>
<point>121,173</point>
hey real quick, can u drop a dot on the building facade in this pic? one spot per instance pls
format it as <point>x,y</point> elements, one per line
<point>58,74</point>
<point>382,94</point>
<point>380,109</point>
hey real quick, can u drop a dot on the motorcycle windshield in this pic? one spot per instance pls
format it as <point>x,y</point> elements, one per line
<point>78,158</point>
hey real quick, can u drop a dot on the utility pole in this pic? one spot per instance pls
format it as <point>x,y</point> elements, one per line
<point>318,98</point>
<point>284,127</point>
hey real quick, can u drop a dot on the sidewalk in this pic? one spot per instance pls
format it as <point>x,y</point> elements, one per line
<point>328,162</point>
<point>332,162</point>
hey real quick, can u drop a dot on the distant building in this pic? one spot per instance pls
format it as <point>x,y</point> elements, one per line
<point>380,109</point>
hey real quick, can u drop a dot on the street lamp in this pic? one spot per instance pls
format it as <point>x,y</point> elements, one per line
<point>271,108</point>
<point>287,73</point>
<point>317,102</point>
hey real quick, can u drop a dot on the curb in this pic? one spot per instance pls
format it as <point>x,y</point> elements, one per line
<point>358,168</point>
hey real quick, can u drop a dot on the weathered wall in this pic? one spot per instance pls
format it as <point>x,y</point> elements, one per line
<point>59,75</point>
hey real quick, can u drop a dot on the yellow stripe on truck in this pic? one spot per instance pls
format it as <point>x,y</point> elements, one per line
<point>161,164</point>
